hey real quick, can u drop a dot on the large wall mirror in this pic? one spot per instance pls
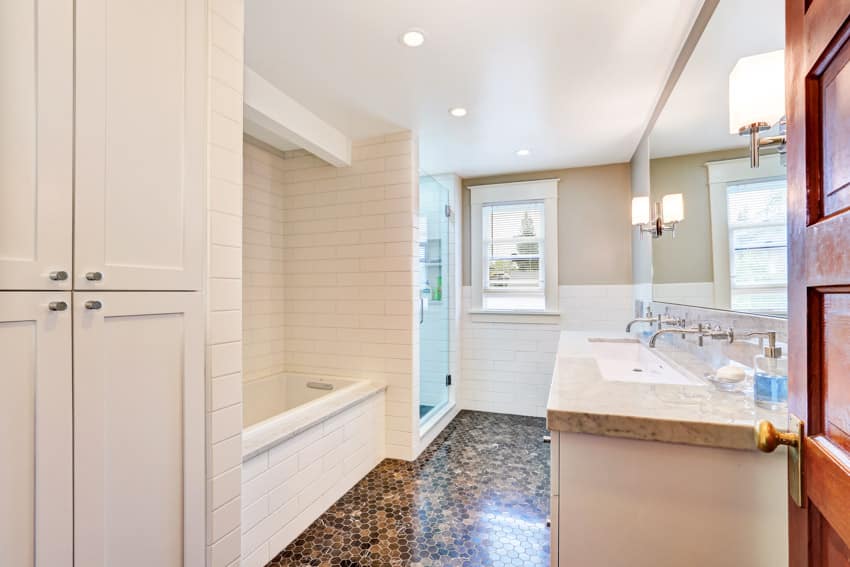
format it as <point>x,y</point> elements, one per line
<point>730,250</point>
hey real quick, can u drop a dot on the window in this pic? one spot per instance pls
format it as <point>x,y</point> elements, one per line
<point>758,247</point>
<point>748,235</point>
<point>514,255</point>
<point>514,246</point>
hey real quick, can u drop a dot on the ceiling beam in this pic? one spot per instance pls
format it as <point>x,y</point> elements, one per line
<point>276,119</point>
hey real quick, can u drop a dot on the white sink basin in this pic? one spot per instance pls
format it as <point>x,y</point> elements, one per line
<point>625,361</point>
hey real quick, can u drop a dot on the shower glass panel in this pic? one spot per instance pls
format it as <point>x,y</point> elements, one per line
<point>434,288</point>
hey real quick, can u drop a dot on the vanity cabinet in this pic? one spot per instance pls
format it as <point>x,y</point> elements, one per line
<point>635,503</point>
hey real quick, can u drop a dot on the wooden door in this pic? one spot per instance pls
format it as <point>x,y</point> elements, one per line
<point>141,71</point>
<point>36,105</point>
<point>818,91</point>
<point>139,429</point>
<point>35,430</point>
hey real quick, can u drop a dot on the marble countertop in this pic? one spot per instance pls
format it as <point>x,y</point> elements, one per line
<point>582,401</point>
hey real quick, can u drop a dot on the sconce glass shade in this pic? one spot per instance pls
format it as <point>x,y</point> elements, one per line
<point>673,208</point>
<point>640,210</point>
<point>757,90</point>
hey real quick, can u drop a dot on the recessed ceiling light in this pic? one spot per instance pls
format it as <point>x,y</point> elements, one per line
<point>413,38</point>
<point>523,152</point>
<point>458,111</point>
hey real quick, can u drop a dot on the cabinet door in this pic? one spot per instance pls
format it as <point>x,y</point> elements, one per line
<point>36,104</point>
<point>140,144</point>
<point>35,430</point>
<point>138,429</point>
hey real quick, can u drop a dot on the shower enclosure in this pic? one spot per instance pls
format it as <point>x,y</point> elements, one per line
<point>434,299</point>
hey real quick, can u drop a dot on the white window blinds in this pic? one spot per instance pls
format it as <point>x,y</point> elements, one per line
<point>758,254</point>
<point>513,245</point>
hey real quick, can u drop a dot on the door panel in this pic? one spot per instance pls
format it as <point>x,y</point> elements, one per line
<point>836,362</point>
<point>139,430</point>
<point>36,46</point>
<point>35,418</point>
<point>141,71</point>
<point>836,123</point>
<point>818,91</point>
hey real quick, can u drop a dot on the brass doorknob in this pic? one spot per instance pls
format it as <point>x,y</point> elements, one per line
<point>768,438</point>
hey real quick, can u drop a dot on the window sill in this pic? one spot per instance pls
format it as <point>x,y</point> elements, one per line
<point>516,316</point>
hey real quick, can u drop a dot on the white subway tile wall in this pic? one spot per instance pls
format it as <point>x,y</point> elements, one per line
<point>507,367</point>
<point>689,293</point>
<point>224,286</point>
<point>285,488</point>
<point>349,267</point>
<point>596,307</point>
<point>262,263</point>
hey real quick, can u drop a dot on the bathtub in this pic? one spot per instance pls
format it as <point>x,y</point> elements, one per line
<point>306,440</point>
<point>269,397</point>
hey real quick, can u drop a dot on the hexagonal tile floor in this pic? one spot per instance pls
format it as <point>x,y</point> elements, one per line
<point>477,496</point>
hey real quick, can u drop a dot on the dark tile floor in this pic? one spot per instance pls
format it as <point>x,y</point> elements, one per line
<point>477,496</point>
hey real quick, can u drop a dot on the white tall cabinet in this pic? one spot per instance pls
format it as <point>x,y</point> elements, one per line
<point>140,143</point>
<point>36,158</point>
<point>35,429</point>
<point>102,401</point>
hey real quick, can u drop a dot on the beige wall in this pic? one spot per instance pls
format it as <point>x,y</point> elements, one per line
<point>594,204</point>
<point>688,257</point>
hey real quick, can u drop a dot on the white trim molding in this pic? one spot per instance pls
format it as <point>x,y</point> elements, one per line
<point>545,190</point>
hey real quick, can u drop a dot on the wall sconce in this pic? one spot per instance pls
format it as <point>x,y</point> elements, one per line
<point>757,100</point>
<point>668,213</point>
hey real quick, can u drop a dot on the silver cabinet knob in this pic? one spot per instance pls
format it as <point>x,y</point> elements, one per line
<point>94,305</point>
<point>59,276</point>
<point>94,276</point>
<point>57,306</point>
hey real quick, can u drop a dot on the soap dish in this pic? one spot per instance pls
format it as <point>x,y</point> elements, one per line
<point>722,385</point>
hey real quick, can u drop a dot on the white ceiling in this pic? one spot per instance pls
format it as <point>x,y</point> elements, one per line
<point>573,80</point>
<point>696,117</point>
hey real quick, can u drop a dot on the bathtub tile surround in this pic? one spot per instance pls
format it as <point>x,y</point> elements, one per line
<point>223,286</point>
<point>330,269</point>
<point>262,261</point>
<point>289,484</point>
<point>477,496</point>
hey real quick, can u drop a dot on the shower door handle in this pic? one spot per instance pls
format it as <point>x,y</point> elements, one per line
<point>421,310</point>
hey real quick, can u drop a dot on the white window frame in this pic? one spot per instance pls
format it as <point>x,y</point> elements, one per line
<point>722,175</point>
<point>545,190</point>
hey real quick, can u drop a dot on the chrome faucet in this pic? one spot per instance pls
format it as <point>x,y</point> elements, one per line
<point>658,320</point>
<point>702,331</point>
<point>648,318</point>
<point>674,331</point>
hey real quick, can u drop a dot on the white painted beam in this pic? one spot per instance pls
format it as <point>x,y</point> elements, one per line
<point>276,119</point>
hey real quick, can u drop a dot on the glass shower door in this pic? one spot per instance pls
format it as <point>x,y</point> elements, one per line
<point>434,315</point>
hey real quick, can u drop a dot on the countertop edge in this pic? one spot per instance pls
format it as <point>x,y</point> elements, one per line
<point>700,434</point>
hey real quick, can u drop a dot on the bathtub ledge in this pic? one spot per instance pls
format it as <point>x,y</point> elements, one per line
<point>277,430</point>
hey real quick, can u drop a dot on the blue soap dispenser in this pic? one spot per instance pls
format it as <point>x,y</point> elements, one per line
<point>770,377</point>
